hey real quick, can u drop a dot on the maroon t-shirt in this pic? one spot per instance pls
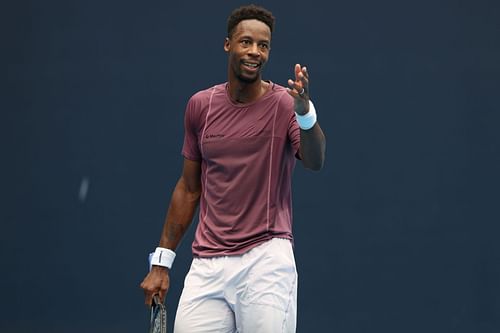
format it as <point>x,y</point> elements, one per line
<point>247,154</point>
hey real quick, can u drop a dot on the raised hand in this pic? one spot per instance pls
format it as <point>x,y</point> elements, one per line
<point>299,89</point>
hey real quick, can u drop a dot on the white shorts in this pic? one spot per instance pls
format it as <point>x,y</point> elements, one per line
<point>253,292</point>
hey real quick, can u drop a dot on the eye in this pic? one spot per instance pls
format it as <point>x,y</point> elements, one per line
<point>264,46</point>
<point>246,42</point>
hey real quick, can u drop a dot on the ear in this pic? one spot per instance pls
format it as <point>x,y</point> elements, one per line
<point>226,44</point>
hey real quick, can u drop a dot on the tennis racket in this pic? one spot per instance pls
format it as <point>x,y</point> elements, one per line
<point>158,323</point>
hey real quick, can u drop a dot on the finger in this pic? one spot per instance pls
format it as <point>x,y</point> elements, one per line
<point>297,71</point>
<point>147,292</point>
<point>292,92</point>
<point>303,78</point>
<point>296,95</point>
<point>148,299</point>
<point>294,84</point>
<point>305,72</point>
<point>296,88</point>
<point>162,293</point>
<point>297,84</point>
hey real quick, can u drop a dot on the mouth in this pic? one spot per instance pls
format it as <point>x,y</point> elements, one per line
<point>251,66</point>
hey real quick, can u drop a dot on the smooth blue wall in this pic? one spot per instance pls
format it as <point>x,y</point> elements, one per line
<point>398,233</point>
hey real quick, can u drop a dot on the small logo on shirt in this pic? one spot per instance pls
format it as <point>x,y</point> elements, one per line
<point>214,136</point>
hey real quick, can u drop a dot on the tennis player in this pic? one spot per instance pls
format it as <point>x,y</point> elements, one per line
<point>242,139</point>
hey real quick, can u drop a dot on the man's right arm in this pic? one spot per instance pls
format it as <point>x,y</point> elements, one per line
<point>185,200</point>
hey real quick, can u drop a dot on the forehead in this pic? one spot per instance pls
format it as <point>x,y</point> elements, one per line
<point>253,28</point>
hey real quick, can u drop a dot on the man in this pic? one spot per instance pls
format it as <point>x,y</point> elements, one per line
<point>241,141</point>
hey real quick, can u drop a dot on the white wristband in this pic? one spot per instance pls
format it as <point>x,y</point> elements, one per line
<point>308,120</point>
<point>162,257</point>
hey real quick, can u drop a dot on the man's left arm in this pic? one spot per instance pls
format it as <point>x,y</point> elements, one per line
<point>312,139</point>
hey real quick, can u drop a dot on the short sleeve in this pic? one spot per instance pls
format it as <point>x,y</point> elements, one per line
<point>190,148</point>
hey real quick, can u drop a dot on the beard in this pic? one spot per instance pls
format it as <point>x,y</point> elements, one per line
<point>246,79</point>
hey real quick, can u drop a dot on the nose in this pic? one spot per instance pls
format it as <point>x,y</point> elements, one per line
<point>254,50</point>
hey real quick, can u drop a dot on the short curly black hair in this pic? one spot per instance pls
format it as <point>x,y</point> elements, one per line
<point>249,12</point>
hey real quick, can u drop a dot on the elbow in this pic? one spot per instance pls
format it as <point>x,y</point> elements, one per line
<point>313,156</point>
<point>193,194</point>
<point>314,165</point>
<point>317,167</point>
<point>190,190</point>
<point>314,162</point>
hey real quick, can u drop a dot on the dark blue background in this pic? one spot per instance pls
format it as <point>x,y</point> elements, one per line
<point>398,233</point>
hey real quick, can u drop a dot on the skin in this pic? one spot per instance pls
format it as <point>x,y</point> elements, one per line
<point>249,43</point>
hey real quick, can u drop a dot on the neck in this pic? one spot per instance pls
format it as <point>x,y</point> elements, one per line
<point>246,92</point>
